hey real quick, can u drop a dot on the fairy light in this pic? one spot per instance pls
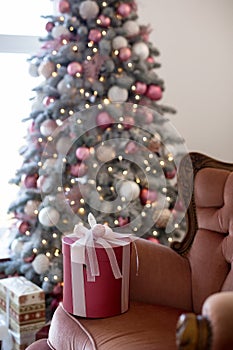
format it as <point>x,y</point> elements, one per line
<point>95,50</point>
<point>176,225</point>
<point>104,4</point>
<point>169,199</point>
<point>54,235</point>
<point>130,64</point>
<point>79,121</point>
<point>49,138</point>
<point>138,181</point>
<point>144,139</point>
<point>87,94</point>
<point>64,42</point>
<point>106,101</point>
<point>123,199</point>
<point>101,79</point>
<point>116,222</point>
<point>35,250</point>
<point>164,190</point>
<point>120,70</point>
<point>54,52</point>
<point>72,181</point>
<point>116,52</point>
<point>44,242</point>
<point>162,163</point>
<point>87,105</point>
<point>71,112</point>
<point>125,172</point>
<point>90,44</point>
<point>72,203</point>
<point>170,239</point>
<point>82,91</point>
<point>104,32</point>
<point>99,188</point>
<point>170,158</point>
<point>48,254</point>
<point>81,211</point>
<point>135,229</point>
<point>54,74</point>
<point>82,201</point>
<point>78,75</point>
<point>120,126</point>
<point>133,88</point>
<point>119,207</point>
<point>137,97</point>
<point>58,65</point>
<point>40,140</point>
<point>40,164</point>
<point>57,252</point>
<point>148,169</point>
<point>27,233</point>
<point>61,18</point>
<point>75,48</point>
<point>143,214</point>
<point>89,58</point>
<point>55,277</point>
<point>120,158</point>
<point>98,21</point>
<point>62,111</point>
<point>36,212</point>
<point>110,169</point>
<point>71,28</point>
<point>155,233</point>
<point>46,279</point>
<point>95,165</point>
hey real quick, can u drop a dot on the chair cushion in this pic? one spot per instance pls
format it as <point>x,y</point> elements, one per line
<point>144,326</point>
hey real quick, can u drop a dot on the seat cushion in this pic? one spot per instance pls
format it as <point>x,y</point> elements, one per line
<point>144,326</point>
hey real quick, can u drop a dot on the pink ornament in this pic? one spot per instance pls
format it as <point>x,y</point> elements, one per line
<point>104,21</point>
<point>170,174</point>
<point>64,6</point>
<point>153,239</point>
<point>128,122</point>
<point>49,26</point>
<point>23,226</point>
<point>140,88</point>
<point>30,181</point>
<point>78,170</point>
<point>124,54</point>
<point>48,127</point>
<point>82,153</point>
<point>150,60</point>
<point>149,118</point>
<point>73,68</point>
<point>148,196</point>
<point>104,120</point>
<point>124,10</point>
<point>131,148</point>
<point>123,221</point>
<point>48,100</point>
<point>95,35</point>
<point>154,92</point>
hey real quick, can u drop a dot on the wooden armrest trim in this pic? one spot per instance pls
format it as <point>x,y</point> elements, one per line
<point>193,332</point>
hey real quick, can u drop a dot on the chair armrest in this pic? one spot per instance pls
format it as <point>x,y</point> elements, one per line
<point>163,277</point>
<point>212,330</point>
<point>218,309</point>
<point>40,344</point>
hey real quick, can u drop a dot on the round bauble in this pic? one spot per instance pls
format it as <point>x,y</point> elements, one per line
<point>47,127</point>
<point>30,181</point>
<point>48,216</point>
<point>59,31</point>
<point>124,54</point>
<point>23,226</point>
<point>46,68</point>
<point>141,50</point>
<point>119,42</point>
<point>140,88</point>
<point>104,21</point>
<point>131,148</point>
<point>124,10</point>
<point>63,145</point>
<point>161,217</point>
<point>117,94</point>
<point>64,6</point>
<point>33,70</point>
<point>122,221</point>
<point>104,120</point>
<point>49,26</point>
<point>153,240</point>
<point>105,153</point>
<point>88,9</point>
<point>73,68</point>
<point>95,35</point>
<point>40,264</point>
<point>148,196</point>
<point>17,246</point>
<point>129,190</point>
<point>79,169</point>
<point>131,28</point>
<point>82,153</point>
<point>31,208</point>
<point>45,183</point>
<point>154,92</point>
<point>48,100</point>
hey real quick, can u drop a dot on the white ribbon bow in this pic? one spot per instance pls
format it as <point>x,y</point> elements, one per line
<point>83,249</point>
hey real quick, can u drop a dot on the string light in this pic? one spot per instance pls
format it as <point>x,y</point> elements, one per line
<point>46,279</point>
<point>54,52</point>
<point>75,48</point>
<point>104,4</point>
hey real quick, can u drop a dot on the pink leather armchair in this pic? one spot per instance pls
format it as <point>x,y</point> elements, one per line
<point>183,295</point>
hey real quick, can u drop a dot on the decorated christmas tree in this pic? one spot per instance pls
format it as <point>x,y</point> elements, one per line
<point>98,140</point>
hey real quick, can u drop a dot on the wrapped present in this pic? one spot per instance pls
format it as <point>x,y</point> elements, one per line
<point>22,303</point>
<point>96,269</point>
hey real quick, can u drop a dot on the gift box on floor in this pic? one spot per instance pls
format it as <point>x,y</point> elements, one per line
<point>96,268</point>
<point>22,303</point>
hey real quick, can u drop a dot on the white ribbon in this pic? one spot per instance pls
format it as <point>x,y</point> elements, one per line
<point>83,250</point>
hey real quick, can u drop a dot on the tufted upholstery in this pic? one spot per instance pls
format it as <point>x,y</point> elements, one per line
<point>184,290</point>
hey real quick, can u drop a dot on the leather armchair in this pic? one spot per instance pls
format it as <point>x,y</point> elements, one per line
<point>182,297</point>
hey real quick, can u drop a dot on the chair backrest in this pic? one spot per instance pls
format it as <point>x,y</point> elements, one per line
<point>208,243</point>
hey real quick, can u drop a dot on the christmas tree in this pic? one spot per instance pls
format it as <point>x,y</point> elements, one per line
<point>98,140</point>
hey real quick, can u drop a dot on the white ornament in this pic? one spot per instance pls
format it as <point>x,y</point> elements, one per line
<point>129,190</point>
<point>58,31</point>
<point>105,153</point>
<point>48,216</point>
<point>141,49</point>
<point>46,68</point>
<point>17,246</point>
<point>88,9</point>
<point>119,42</point>
<point>33,70</point>
<point>63,145</point>
<point>117,94</point>
<point>48,127</point>
<point>40,264</point>
<point>131,28</point>
<point>31,207</point>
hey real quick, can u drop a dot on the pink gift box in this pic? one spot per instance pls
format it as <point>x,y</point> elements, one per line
<point>104,296</point>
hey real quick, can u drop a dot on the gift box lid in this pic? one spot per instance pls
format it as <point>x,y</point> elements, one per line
<point>22,291</point>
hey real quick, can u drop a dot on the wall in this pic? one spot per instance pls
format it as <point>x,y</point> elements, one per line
<point>194,38</point>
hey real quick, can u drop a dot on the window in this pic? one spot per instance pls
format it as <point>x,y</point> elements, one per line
<point>19,33</point>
